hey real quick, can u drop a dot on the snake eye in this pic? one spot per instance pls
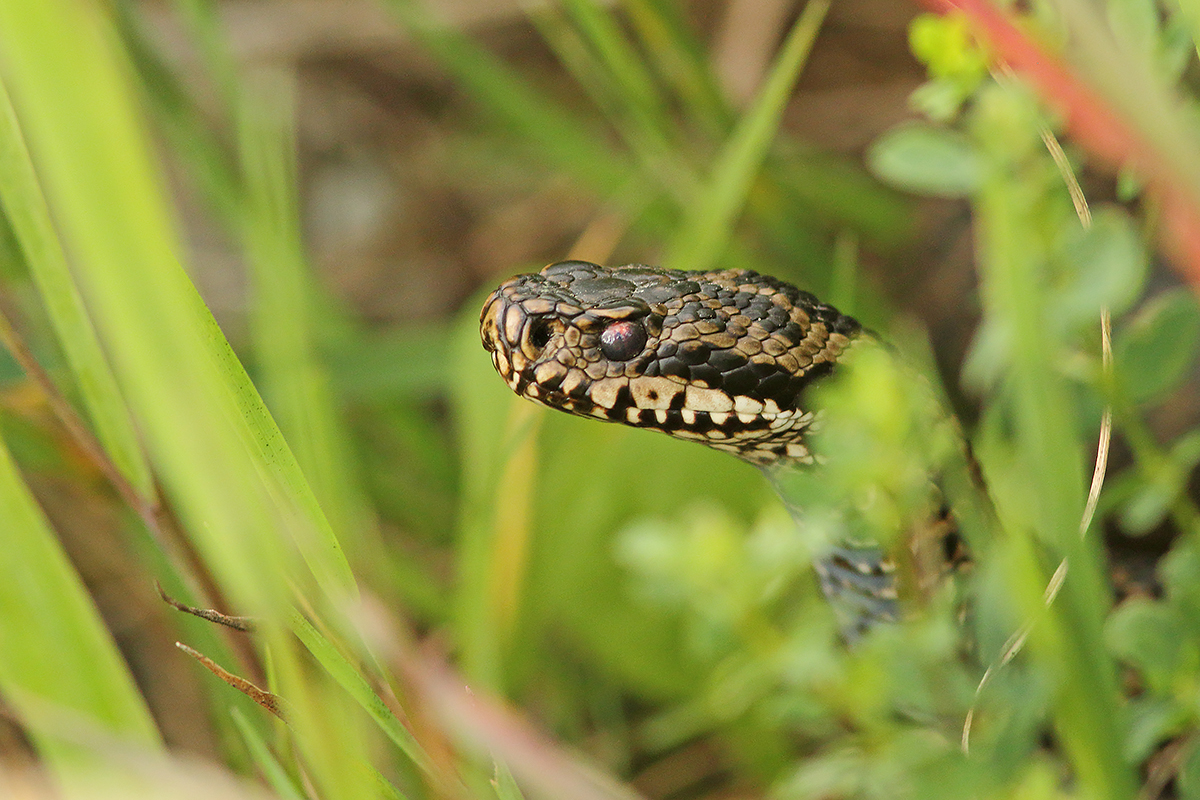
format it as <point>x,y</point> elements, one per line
<point>622,341</point>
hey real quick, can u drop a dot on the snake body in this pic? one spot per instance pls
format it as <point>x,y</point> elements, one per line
<point>719,357</point>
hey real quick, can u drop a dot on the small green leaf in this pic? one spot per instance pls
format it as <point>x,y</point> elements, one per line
<point>1180,571</point>
<point>1152,497</point>
<point>939,99</point>
<point>947,46</point>
<point>1138,22</point>
<point>1146,507</point>
<point>1129,186</point>
<point>925,160</point>
<point>1156,348</point>
<point>1148,635</point>
<point>1152,720</point>
<point>1107,262</point>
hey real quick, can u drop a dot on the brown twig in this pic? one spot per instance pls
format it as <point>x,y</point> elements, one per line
<point>271,702</point>
<point>244,624</point>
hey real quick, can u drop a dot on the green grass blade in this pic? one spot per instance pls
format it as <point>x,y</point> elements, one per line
<point>1041,499</point>
<point>681,61</point>
<point>78,115</point>
<point>626,71</point>
<point>585,45</point>
<point>55,653</point>
<point>505,783</point>
<point>231,477</point>
<point>259,206</point>
<point>26,210</point>
<point>538,122</point>
<point>186,127</point>
<point>332,737</point>
<point>641,107</point>
<point>215,445</point>
<point>706,231</point>
<point>273,772</point>
<point>350,679</point>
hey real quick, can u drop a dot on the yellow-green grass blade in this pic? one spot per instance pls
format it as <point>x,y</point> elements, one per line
<point>707,228</point>
<point>267,221</point>
<point>229,473</point>
<point>56,657</point>
<point>217,450</point>
<point>25,208</point>
<point>295,381</point>
<point>258,204</point>
<point>501,432</point>
<point>332,737</point>
<point>285,783</point>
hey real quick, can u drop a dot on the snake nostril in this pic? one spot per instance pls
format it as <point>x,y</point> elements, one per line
<point>622,341</point>
<point>539,334</point>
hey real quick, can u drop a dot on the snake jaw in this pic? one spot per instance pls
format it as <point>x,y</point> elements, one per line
<point>718,357</point>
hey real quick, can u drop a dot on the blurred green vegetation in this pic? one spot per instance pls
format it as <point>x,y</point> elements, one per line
<point>633,615</point>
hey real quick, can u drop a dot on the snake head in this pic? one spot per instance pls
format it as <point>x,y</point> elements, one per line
<point>717,357</point>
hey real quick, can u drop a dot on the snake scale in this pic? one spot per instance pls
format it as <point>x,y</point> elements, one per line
<point>721,357</point>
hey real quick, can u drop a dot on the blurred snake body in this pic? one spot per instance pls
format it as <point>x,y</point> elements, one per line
<point>719,357</point>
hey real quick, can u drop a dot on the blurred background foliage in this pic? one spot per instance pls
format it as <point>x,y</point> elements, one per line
<point>343,181</point>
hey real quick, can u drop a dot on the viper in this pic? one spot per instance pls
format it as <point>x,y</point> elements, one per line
<point>724,358</point>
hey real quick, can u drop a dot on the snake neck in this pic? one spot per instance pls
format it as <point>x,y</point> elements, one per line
<point>855,575</point>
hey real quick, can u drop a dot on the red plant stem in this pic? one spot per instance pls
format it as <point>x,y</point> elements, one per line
<point>1094,124</point>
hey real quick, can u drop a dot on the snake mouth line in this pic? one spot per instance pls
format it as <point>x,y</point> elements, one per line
<point>719,357</point>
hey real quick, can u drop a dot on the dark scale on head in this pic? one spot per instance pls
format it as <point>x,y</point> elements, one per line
<point>722,357</point>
